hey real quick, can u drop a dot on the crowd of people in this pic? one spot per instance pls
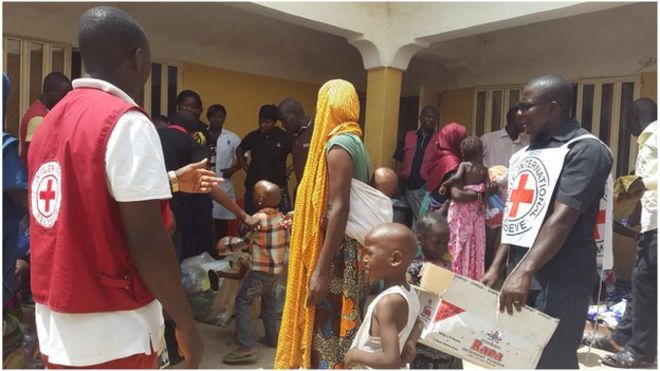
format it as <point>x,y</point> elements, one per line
<point>118,200</point>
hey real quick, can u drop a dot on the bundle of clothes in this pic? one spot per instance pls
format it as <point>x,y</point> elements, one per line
<point>610,313</point>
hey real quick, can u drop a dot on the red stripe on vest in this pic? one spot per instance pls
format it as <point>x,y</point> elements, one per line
<point>178,128</point>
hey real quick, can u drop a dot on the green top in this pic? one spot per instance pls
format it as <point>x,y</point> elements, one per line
<point>353,145</point>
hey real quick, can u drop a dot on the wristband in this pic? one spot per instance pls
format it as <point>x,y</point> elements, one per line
<point>174,181</point>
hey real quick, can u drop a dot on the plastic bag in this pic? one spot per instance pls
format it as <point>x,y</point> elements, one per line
<point>194,274</point>
<point>496,202</point>
<point>495,211</point>
<point>426,204</point>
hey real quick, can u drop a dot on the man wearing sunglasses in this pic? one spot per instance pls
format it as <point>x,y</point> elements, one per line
<point>554,198</point>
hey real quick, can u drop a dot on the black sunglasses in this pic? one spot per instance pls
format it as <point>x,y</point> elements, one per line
<point>525,106</point>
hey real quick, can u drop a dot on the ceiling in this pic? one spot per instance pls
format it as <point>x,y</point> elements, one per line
<point>615,42</point>
<point>606,43</point>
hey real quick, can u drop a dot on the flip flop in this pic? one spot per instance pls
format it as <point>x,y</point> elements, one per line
<point>625,360</point>
<point>237,357</point>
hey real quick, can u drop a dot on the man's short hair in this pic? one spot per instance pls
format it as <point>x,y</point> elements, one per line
<point>54,79</point>
<point>268,112</point>
<point>554,88</point>
<point>215,108</point>
<point>185,94</point>
<point>108,36</point>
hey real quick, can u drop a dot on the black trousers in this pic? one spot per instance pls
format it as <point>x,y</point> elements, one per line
<point>566,300</point>
<point>637,331</point>
<point>569,305</point>
<point>193,214</point>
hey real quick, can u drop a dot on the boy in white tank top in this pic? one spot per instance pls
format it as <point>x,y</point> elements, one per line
<point>391,316</point>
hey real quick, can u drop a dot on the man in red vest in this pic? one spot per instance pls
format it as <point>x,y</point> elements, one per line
<point>56,85</point>
<point>103,267</point>
<point>410,154</point>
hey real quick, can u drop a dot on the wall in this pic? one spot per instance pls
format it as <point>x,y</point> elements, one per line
<point>428,74</point>
<point>428,97</point>
<point>457,106</point>
<point>242,94</point>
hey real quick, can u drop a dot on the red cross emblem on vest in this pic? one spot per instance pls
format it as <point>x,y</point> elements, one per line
<point>520,195</point>
<point>45,194</point>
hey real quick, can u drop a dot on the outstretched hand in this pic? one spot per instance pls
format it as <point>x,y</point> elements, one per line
<point>250,221</point>
<point>196,178</point>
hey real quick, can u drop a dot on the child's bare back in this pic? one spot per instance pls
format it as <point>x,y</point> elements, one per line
<point>472,173</point>
<point>472,170</point>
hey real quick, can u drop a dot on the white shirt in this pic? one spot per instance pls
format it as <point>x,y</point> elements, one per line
<point>225,152</point>
<point>135,171</point>
<point>647,168</point>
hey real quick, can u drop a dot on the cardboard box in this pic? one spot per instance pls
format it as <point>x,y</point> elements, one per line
<point>462,319</point>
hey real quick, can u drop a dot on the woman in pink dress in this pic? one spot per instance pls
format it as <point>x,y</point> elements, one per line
<point>467,221</point>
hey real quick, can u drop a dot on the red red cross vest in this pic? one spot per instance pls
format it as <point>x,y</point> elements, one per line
<point>79,256</point>
<point>409,149</point>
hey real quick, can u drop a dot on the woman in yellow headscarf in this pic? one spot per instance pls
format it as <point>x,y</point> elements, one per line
<point>326,288</point>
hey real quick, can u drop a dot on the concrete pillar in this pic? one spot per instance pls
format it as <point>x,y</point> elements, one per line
<point>649,85</point>
<point>382,114</point>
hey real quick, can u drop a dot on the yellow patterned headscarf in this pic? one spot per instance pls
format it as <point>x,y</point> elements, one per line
<point>337,112</point>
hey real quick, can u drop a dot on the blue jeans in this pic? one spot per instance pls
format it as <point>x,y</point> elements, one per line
<point>258,285</point>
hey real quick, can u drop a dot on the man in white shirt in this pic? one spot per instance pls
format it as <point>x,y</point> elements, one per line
<point>500,145</point>
<point>116,54</point>
<point>225,161</point>
<point>635,339</point>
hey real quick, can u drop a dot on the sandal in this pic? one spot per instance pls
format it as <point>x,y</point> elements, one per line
<point>625,360</point>
<point>237,357</point>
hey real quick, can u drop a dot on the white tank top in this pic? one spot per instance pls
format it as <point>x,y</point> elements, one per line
<point>372,344</point>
